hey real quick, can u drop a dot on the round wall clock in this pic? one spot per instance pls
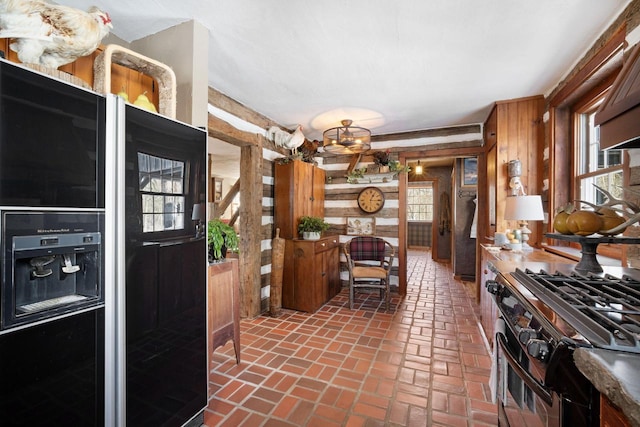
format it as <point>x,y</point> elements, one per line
<point>371,199</point>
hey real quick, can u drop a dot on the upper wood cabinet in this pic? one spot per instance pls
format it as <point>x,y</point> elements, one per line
<point>299,191</point>
<point>513,131</point>
<point>124,79</point>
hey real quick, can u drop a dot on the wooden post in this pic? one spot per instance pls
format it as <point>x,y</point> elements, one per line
<point>277,266</point>
<point>250,228</point>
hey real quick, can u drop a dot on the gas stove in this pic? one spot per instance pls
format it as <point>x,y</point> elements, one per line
<point>602,309</point>
<point>544,317</point>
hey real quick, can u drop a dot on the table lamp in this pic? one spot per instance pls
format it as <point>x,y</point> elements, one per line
<point>197,216</point>
<point>524,209</point>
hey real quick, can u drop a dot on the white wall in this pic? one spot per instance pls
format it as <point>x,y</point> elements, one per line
<point>185,49</point>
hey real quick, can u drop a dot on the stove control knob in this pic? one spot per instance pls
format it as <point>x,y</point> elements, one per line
<point>538,349</point>
<point>527,334</point>
<point>492,286</point>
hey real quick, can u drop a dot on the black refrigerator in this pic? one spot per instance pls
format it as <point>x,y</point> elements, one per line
<point>158,322</point>
<point>102,279</point>
<point>52,283</point>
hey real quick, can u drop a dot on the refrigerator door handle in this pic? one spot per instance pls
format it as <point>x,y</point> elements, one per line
<point>115,273</point>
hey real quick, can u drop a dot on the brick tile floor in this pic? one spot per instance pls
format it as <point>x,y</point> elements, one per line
<point>424,363</point>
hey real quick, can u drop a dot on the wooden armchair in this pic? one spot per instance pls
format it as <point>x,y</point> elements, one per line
<point>369,260</point>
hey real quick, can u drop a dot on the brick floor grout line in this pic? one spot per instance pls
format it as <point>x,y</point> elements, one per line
<point>430,293</point>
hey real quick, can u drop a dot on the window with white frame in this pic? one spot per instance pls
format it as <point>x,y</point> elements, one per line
<point>595,167</point>
<point>420,203</point>
<point>161,184</point>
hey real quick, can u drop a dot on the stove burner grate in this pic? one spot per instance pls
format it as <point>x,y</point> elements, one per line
<point>604,309</point>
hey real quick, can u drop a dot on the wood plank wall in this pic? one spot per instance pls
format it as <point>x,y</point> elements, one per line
<point>340,196</point>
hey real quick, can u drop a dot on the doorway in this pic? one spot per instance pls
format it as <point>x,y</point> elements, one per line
<point>224,171</point>
<point>440,167</point>
<point>434,182</point>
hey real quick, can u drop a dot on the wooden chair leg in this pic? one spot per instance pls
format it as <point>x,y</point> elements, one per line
<point>351,296</point>
<point>387,298</point>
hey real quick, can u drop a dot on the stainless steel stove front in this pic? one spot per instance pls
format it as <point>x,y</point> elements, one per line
<point>539,382</point>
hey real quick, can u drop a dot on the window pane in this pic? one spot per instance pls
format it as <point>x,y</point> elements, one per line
<point>591,159</point>
<point>147,203</point>
<point>420,204</point>
<point>162,184</point>
<point>147,225</point>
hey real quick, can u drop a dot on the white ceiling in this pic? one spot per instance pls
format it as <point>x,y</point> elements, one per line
<point>389,65</point>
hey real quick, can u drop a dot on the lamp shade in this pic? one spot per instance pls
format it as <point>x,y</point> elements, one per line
<point>198,213</point>
<point>524,208</point>
<point>346,139</point>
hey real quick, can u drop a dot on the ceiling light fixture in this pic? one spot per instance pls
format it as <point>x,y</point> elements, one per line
<point>346,139</point>
<point>419,168</point>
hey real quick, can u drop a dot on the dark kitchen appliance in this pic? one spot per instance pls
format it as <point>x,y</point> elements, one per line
<point>547,316</point>
<point>52,323</point>
<point>52,137</point>
<point>160,367</point>
<point>52,264</point>
<point>52,315</point>
<point>103,284</point>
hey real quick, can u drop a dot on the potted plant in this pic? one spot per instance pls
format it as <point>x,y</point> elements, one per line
<point>221,237</point>
<point>397,167</point>
<point>381,159</point>
<point>311,227</point>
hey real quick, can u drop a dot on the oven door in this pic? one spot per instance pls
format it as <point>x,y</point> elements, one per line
<point>522,400</point>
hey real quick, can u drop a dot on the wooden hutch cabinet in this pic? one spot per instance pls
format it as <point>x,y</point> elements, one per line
<point>299,191</point>
<point>311,274</point>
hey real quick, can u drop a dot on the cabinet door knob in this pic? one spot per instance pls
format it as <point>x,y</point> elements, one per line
<point>322,244</point>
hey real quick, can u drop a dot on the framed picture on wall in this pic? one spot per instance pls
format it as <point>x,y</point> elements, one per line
<point>361,225</point>
<point>469,172</point>
<point>217,189</point>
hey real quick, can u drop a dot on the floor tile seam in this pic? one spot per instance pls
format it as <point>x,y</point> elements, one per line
<point>267,417</point>
<point>360,392</point>
<point>303,375</point>
<point>429,408</point>
<point>464,373</point>
<point>285,393</point>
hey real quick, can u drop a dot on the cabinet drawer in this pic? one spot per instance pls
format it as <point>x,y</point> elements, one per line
<point>326,244</point>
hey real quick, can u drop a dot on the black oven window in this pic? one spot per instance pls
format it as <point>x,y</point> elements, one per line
<point>161,184</point>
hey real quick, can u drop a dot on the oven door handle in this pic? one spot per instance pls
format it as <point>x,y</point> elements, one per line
<point>531,382</point>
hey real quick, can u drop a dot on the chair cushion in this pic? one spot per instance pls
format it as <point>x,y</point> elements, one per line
<point>372,272</point>
<point>367,248</point>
